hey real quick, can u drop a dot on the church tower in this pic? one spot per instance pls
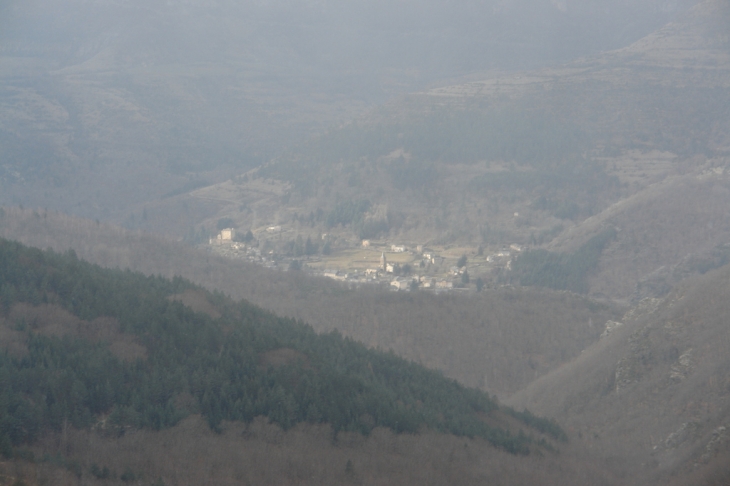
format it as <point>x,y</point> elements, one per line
<point>383,262</point>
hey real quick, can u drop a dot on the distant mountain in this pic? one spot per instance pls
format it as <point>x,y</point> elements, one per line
<point>546,159</point>
<point>106,105</point>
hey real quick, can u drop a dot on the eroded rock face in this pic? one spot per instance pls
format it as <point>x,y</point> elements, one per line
<point>645,307</point>
<point>632,366</point>
<point>610,327</point>
<point>641,353</point>
<point>656,391</point>
<point>682,367</point>
<point>720,436</point>
<point>678,437</point>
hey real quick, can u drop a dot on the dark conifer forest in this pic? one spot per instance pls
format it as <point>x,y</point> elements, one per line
<point>245,363</point>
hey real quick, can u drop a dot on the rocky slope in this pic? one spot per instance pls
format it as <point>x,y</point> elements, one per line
<point>652,397</point>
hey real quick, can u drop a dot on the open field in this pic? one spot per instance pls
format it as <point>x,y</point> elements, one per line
<point>360,259</point>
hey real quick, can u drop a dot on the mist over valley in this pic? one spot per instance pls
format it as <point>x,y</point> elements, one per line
<point>314,242</point>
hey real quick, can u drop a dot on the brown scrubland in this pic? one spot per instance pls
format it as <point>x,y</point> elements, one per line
<point>261,453</point>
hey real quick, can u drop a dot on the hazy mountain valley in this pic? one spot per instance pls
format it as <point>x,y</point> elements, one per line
<point>363,234</point>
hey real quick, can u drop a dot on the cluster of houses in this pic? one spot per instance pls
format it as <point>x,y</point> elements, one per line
<point>225,245</point>
<point>504,256</point>
<point>422,282</point>
<point>396,283</point>
<point>385,273</point>
<point>388,271</point>
<point>408,283</point>
<point>336,274</point>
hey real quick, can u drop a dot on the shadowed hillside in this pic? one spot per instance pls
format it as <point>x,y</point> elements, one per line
<point>653,397</point>
<point>671,230</point>
<point>106,105</point>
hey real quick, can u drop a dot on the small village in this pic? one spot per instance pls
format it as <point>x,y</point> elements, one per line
<point>399,267</point>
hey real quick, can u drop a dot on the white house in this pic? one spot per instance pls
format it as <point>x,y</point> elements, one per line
<point>401,284</point>
<point>225,236</point>
<point>228,234</point>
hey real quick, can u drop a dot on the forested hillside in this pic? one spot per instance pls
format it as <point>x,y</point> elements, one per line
<point>238,365</point>
<point>498,340</point>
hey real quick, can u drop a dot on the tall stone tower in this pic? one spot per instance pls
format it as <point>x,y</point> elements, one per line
<point>383,262</point>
